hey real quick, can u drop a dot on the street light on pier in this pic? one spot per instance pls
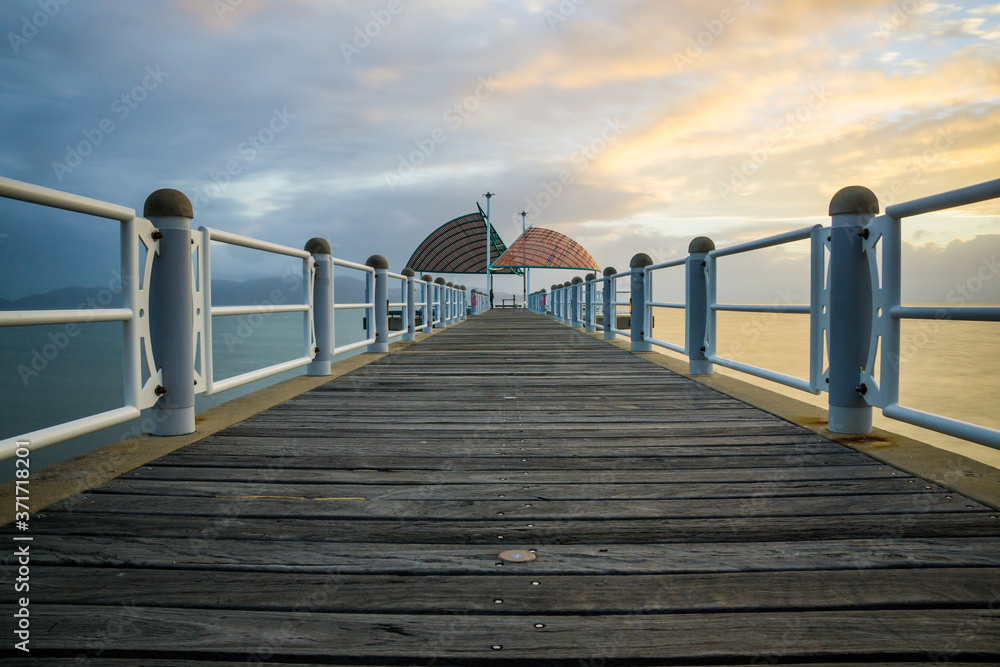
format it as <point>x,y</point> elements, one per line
<point>489,234</point>
<point>525,280</point>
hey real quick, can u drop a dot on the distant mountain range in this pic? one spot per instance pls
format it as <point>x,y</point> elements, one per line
<point>224,293</point>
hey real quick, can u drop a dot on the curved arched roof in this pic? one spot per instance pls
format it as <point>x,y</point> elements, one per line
<point>540,248</point>
<point>458,246</point>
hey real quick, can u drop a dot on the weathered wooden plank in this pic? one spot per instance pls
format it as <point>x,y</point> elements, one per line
<point>78,520</point>
<point>159,632</point>
<point>267,472</point>
<point>482,448</point>
<point>552,594</point>
<point>319,506</point>
<point>358,558</point>
<point>609,462</point>
<point>549,492</point>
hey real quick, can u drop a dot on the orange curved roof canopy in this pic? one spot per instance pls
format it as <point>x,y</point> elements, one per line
<point>540,248</point>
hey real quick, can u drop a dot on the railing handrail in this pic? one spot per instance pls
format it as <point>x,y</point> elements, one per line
<point>36,194</point>
<point>204,325</point>
<point>972,194</point>
<point>883,236</point>
<point>134,314</point>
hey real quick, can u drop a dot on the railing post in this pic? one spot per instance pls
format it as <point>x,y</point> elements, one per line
<point>460,300</point>
<point>411,305</point>
<point>449,304</point>
<point>696,306</point>
<point>610,312</point>
<point>171,311</point>
<point>588,303</point>
<point>543,302</point>
<point>567,302</point>
<point>322,307</point>
<point>850,308</point>
<point>381,299</point>
<point>554,305</point>
<point>427,310</point>
<point>442,296</point>
<point>575,320</point>
<point>638,316</point>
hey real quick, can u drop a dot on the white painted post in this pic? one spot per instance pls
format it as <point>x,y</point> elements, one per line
<point>428,307</point>
<point>381,299</point>
<point>696,306</point>
<point>566,302</point>
<point>171,311</point>
<point>442,296</point>
<point>588,317</point>
<point>449,304</point>
<point>322,307</point>
<point>638,316</point>
<point>411,305</point>
<point>610,312</point>
<point>575,320</point>
<point>850,309</point>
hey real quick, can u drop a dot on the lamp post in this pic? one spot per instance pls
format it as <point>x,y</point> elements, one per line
<point>489,277</point>
<point>526,281</point>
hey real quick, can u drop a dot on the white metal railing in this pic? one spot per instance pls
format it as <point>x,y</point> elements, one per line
<point>615,304</point>
<point>883,241</point>
<point>843,272</point>
<point>650,304</point>
<point>368,305</point>
<point>184,363</point>
<point>424,304</point>
<point>402,305</point>
<point>205,311</point>
<point>134,315</point>
<point>817,308</point>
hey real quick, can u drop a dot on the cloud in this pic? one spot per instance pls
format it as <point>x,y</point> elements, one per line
<point>686,124</point>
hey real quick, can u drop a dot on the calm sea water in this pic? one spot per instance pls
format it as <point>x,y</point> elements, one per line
<point>48,377</point>
<point>947,368</point>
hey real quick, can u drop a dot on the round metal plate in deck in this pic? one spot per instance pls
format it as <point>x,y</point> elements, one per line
<point>517,556</point>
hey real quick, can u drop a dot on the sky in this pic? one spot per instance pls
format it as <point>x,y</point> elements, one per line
<point>631,126</point>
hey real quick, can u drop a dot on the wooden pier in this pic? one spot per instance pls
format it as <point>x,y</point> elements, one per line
<point>362,522</point>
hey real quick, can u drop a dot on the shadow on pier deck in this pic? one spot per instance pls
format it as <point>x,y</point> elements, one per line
<point>361,523</point>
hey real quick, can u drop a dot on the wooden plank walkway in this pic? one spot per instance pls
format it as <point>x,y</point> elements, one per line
<point>361,523</point>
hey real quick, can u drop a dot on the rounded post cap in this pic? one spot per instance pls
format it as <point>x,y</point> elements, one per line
<point>449,284</point>
<point>428,279</point>
<point>317,246</point>
<point>610,271</point>
<point>591,276</point>
<point>854,199</point>
<point>577,280</point>
<point>377,262</point>
<point>461,287</point>
<point>701,244</point>
<point>640,260</point>
<point>167,203</point>
<point>542,292</point>
<point>440,281</point>
<point>555,287</point>
<point>567,284</point>
<point>408,272</point>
